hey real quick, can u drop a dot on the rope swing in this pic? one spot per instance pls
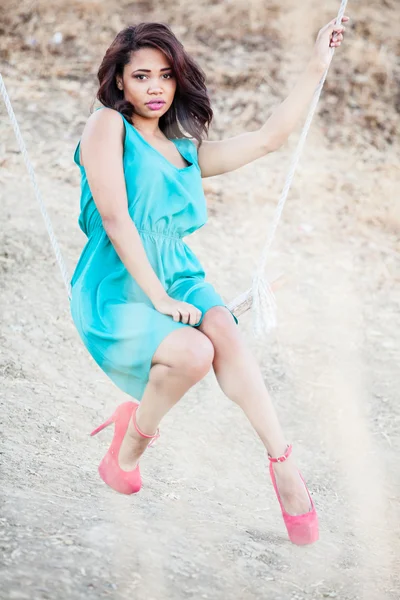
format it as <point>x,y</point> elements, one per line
<point>260,296</point>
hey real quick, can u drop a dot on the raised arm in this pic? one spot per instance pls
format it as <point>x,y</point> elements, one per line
<point>226,155</point>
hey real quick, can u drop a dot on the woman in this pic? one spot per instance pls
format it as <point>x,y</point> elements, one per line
<point>140,300</point>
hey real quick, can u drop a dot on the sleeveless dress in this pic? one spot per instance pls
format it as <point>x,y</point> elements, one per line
<point>114,317</point>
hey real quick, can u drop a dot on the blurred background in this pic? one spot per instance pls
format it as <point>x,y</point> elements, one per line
<point>206,524</point>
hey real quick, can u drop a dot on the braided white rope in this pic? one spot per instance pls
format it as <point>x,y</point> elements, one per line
<point>54,243</point>
<point>264,304</point>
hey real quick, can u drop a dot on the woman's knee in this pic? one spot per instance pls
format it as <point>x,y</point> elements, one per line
<point>188,352</point>
<point>197,356</point>
<point>219,326</point>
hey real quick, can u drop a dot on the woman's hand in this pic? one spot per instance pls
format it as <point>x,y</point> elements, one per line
<point>330,36</point>
<point>179,311</point>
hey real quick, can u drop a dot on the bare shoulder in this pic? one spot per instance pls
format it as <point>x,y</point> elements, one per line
<point>106,120</point>
<point>104,129</point>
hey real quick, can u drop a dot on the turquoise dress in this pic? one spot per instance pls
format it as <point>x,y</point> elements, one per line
<point>116,320</point>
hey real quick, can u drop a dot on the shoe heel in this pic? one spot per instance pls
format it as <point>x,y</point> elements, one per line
<point>103,425</point>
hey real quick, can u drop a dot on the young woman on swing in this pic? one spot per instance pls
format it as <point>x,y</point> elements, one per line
<point>139,296</point>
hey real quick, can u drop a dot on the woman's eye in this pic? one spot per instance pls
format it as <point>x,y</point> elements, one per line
<point>165,75</point>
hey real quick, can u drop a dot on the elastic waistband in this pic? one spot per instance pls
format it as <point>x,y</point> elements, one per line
<point>171,236</point>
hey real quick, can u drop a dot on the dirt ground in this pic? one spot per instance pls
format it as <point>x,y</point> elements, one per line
<point>206,523</point>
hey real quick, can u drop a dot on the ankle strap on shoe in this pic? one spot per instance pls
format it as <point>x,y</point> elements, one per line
<point>280,459</point>
<point>145,435</point>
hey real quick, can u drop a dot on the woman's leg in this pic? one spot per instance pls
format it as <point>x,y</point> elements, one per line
<point>240,378</point>
<point>183,358</point>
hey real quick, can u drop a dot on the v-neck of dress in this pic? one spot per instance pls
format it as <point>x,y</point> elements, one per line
<point>160,153</point>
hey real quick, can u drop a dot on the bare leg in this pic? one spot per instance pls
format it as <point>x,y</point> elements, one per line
<point>181,360</point>
<point>240,378</point>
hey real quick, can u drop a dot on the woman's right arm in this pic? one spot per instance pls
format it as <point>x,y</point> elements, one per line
<point>102,155</point>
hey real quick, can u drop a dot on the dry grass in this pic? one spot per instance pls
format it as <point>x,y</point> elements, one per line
<point>255,44</point>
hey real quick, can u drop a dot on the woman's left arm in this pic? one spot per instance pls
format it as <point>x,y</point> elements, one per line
<point>226,155</point>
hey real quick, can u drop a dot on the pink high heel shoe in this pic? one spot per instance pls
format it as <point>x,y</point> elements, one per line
<point>302,529</point>
<point>125,482</point>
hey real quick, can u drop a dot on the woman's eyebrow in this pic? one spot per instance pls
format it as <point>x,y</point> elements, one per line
<point>149,70</point>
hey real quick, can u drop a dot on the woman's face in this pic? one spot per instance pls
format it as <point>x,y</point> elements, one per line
<point>148,78</point>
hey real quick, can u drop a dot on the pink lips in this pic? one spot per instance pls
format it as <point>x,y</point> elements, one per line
<point>154,105</point>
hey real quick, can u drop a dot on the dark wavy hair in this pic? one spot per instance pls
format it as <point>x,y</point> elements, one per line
<point>191,105</point>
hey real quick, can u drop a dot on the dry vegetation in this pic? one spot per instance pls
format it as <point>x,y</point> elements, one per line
<point>361,101</point>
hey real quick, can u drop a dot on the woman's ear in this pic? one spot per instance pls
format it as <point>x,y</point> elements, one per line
<point>119,84</point>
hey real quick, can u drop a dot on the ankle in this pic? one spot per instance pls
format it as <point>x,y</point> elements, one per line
<point>137,438</point>
<point>283,464</point>
<point>136,441</point>
<point>283,456</point>
<point>143,424</point>
<point>286,470</point>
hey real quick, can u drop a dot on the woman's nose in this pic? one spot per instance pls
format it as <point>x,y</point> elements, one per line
<point>154,84</point>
